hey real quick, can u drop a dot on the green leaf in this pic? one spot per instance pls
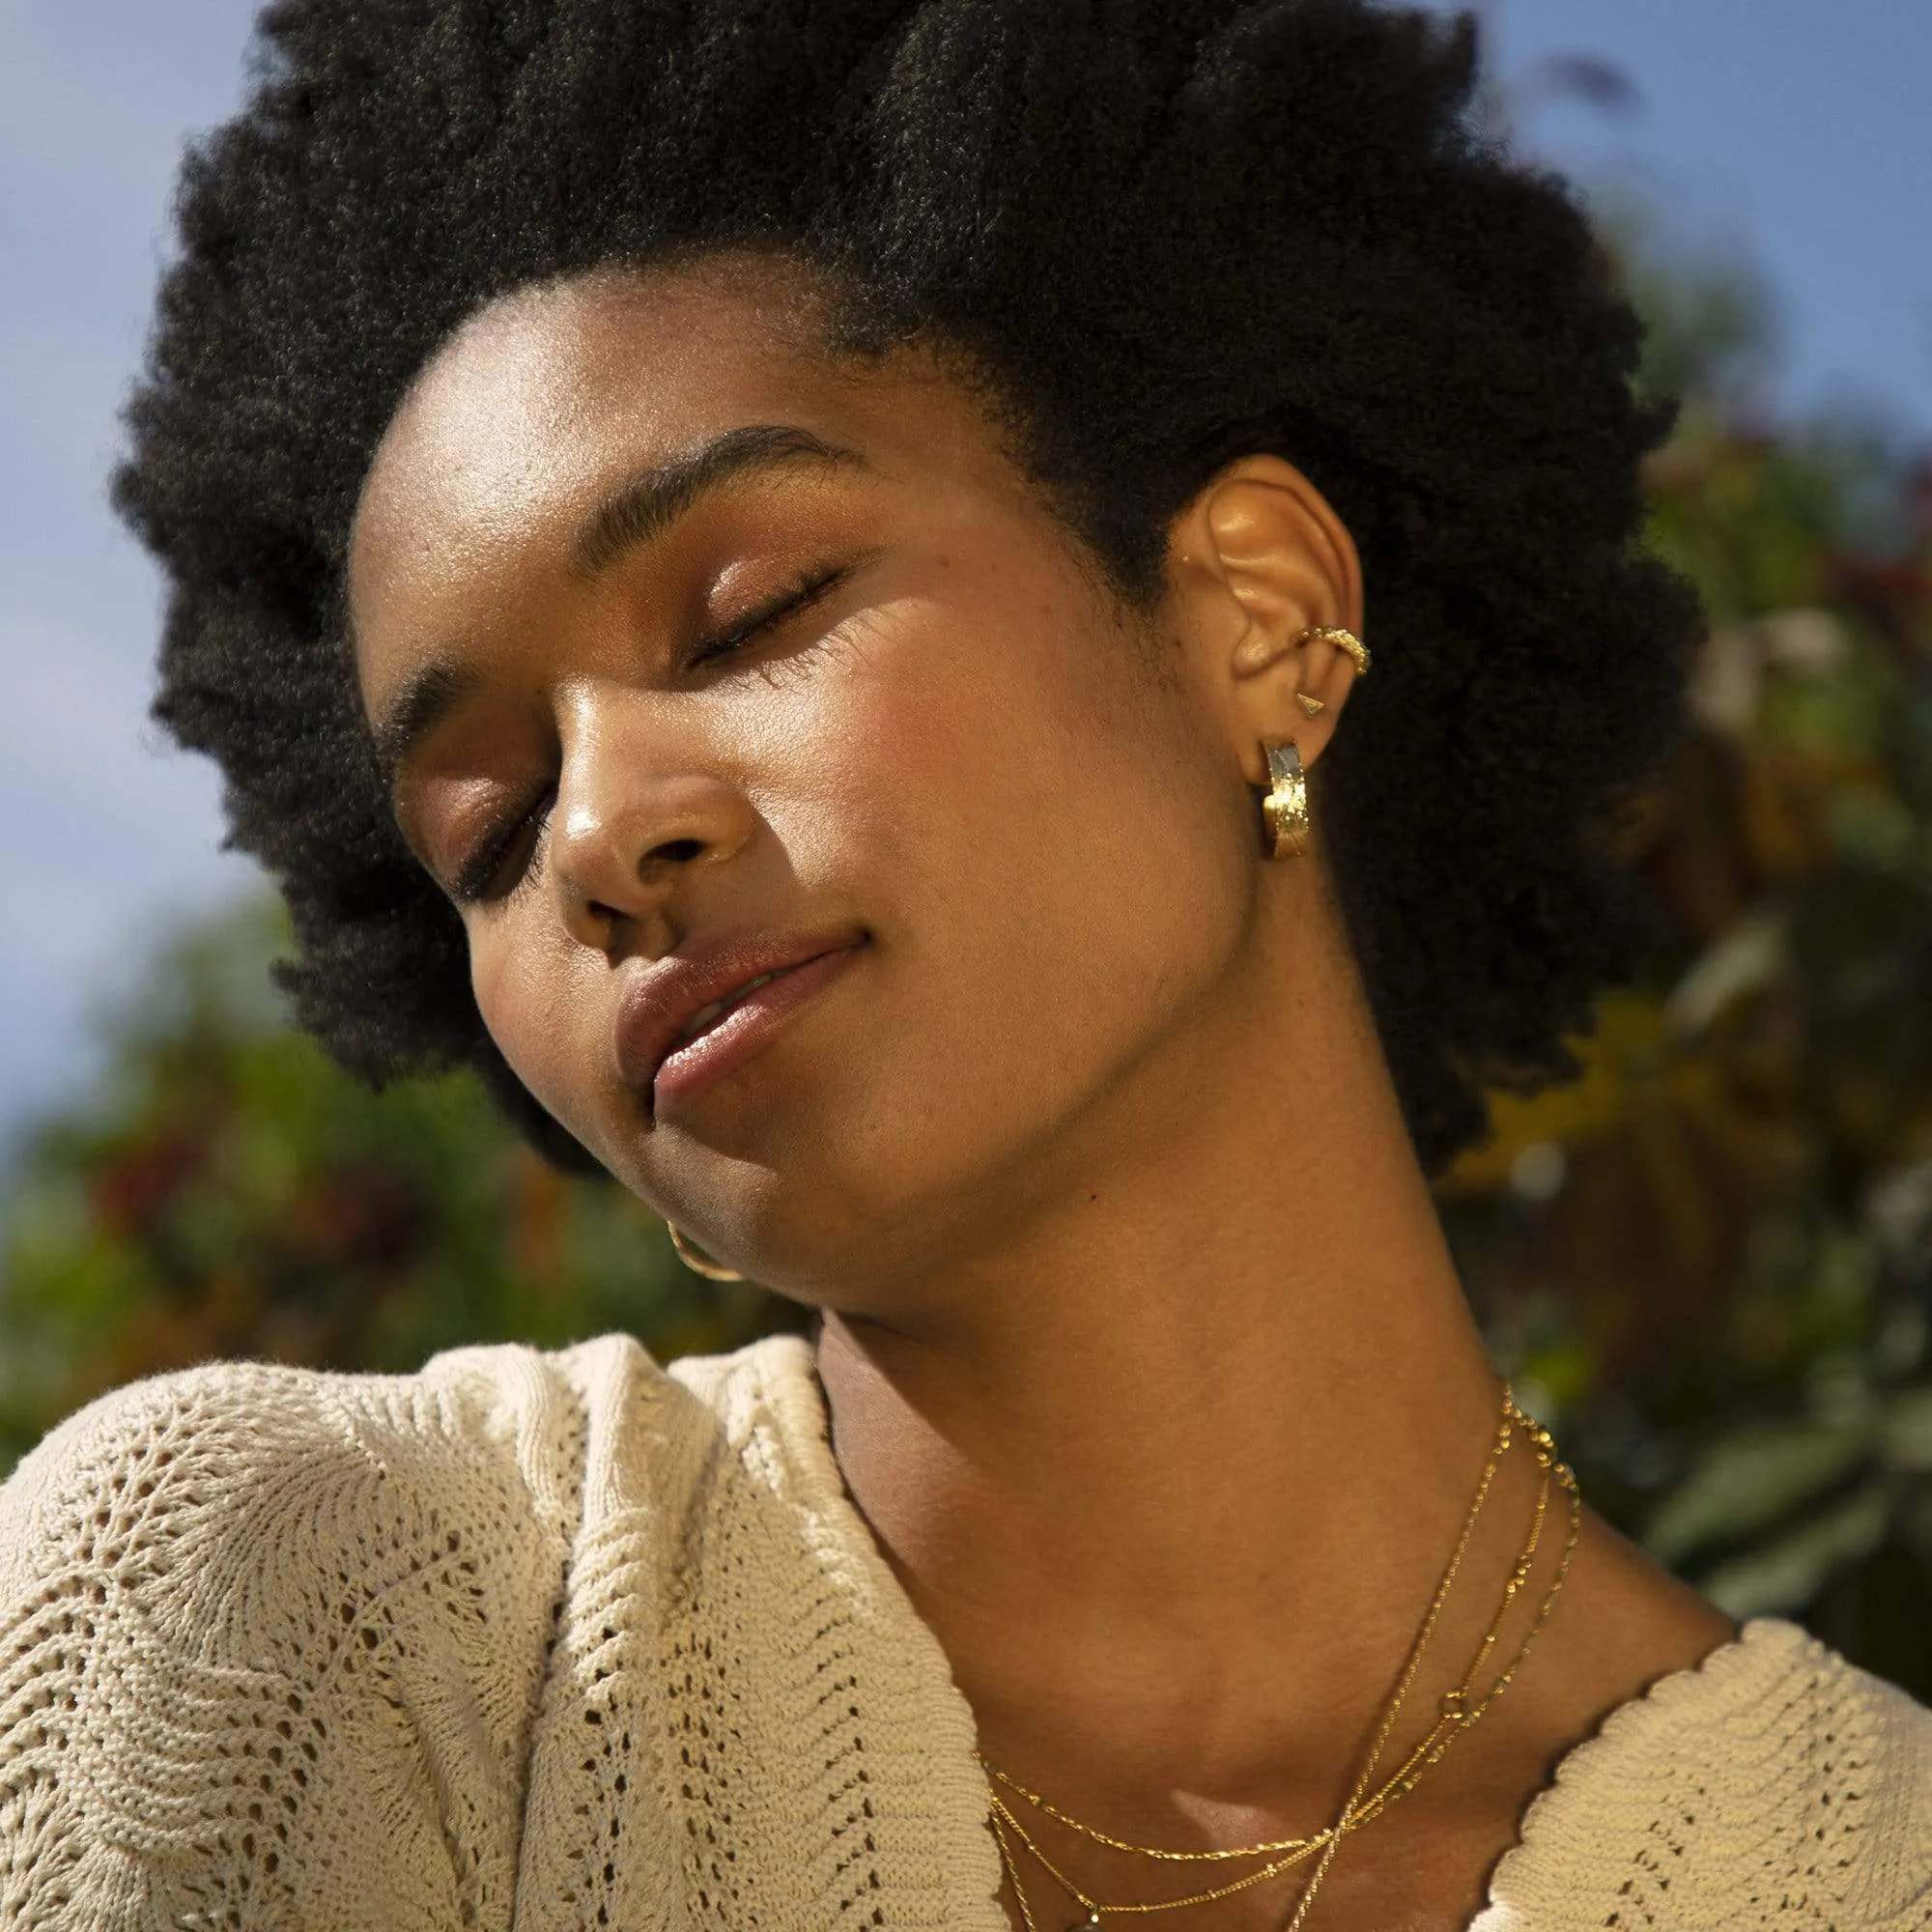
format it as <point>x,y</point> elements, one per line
<point>1749,1480</point>
<point>1789,1572</point>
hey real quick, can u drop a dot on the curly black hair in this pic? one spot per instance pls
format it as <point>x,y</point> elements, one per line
<point>1170,232</point>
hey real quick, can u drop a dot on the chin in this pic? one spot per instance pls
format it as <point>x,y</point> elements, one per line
<point>798,1207</point>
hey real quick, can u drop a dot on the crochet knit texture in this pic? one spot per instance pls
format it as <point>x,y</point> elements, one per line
<point>564,1640</point>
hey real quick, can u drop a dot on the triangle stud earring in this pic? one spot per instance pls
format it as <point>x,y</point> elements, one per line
<point>1313,706</point>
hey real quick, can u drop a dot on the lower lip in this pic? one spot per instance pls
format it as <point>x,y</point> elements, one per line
<point>743,1031</point>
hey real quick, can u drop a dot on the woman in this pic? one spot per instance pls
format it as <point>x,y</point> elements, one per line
<point>789,580</point>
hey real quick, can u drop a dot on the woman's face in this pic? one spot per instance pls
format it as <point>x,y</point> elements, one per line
<point>699,656</point>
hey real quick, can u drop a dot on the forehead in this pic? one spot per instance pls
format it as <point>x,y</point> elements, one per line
<point>545,387</point>
<point>552,396</point>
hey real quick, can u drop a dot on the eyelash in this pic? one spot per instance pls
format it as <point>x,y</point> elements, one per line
<point>803,592</point>
<point>472,882</point>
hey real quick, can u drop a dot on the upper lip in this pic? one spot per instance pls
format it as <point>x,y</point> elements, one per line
<point>661,1001</point>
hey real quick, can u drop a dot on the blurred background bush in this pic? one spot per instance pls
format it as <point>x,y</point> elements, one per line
<point>1708,1262</point>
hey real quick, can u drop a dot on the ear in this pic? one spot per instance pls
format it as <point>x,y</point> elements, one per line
<point>1254,561</point>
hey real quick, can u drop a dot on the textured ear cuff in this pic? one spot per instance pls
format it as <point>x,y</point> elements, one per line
<point>1286,807</point>
<point>1344,641</point>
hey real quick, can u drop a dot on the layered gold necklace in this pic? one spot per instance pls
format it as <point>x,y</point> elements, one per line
<point>1456,1710</point>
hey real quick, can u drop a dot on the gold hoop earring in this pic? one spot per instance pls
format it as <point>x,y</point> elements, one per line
<point>1286,807</point>
<point>698,1260</point>
<point>1344,641</point>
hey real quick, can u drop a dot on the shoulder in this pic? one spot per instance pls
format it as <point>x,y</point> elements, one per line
<point>236,1457</point>
<point>249,1614</point>
<point>220,1495</point>
<point>1775,1785</point>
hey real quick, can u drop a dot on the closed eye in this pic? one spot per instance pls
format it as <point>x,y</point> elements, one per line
<point>503,860</point>
<point>506,856</point>
<point>786,602</point>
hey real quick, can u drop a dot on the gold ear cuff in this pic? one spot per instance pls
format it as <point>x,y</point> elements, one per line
<point>1344,641</point>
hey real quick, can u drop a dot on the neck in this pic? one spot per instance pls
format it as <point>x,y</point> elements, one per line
<point>1171,1464</point>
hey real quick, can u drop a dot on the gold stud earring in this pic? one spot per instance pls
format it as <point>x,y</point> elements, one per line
<point>698,1260</point>
<point>1286,807</point>
<point>1314,706</point>
<point>1344,641</point>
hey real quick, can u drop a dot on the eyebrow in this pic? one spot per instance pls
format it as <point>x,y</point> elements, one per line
<point>637,511</point>
<point>644,507</point>
<point>425,700</point>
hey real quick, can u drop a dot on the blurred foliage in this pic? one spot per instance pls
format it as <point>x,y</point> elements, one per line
<point>1709,1261</point>
<point>230,1194</point>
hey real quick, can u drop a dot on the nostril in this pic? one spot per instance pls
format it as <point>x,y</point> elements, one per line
<point>678,851</point>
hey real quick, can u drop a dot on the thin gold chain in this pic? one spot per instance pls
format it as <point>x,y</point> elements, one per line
<point>1349,1818</point>
<point>1267,1848</point>
<point>1003,1815</point>
<point>1450,1727</point>
<point>1346,1822</point>
<point>1455,1715</point>
<point>1505,1431</point>
<point>1012,1871</point>
<point>1046,1808</point>
<point>1453,1711</point>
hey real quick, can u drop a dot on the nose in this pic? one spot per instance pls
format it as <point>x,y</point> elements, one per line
<point>634,817</point>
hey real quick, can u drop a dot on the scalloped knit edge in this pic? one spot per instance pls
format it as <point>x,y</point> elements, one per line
<point>1549,1810</point>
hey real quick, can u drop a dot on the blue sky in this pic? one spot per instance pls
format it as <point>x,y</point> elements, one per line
<point>1793,132</point>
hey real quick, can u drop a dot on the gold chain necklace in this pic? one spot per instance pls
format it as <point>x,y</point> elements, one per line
<point>1455,1710</point>
<point>1456,1714</point>
<point>1297,1850</point>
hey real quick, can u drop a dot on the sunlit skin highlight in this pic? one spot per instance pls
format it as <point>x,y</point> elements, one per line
<point>1142,1336</point>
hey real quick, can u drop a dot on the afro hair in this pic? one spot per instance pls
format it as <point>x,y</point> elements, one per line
<point>1169,232</point>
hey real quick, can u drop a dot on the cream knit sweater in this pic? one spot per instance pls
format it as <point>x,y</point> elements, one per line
<point>562,1641</point>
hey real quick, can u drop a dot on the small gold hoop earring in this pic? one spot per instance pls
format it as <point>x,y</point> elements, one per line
<point>1286,807</point>
<point>698,1260</point>
<point>1344,641</point>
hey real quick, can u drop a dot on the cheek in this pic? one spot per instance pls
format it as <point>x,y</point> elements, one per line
<point>524,971</point>
<point>1058,860</point>
<point>1092,854</point>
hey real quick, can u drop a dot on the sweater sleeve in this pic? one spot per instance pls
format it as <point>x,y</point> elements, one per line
<point>271,1643</point>
<point>1773,1785</point>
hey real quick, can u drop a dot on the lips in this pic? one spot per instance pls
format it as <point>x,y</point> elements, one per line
<point>686,1021</point>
